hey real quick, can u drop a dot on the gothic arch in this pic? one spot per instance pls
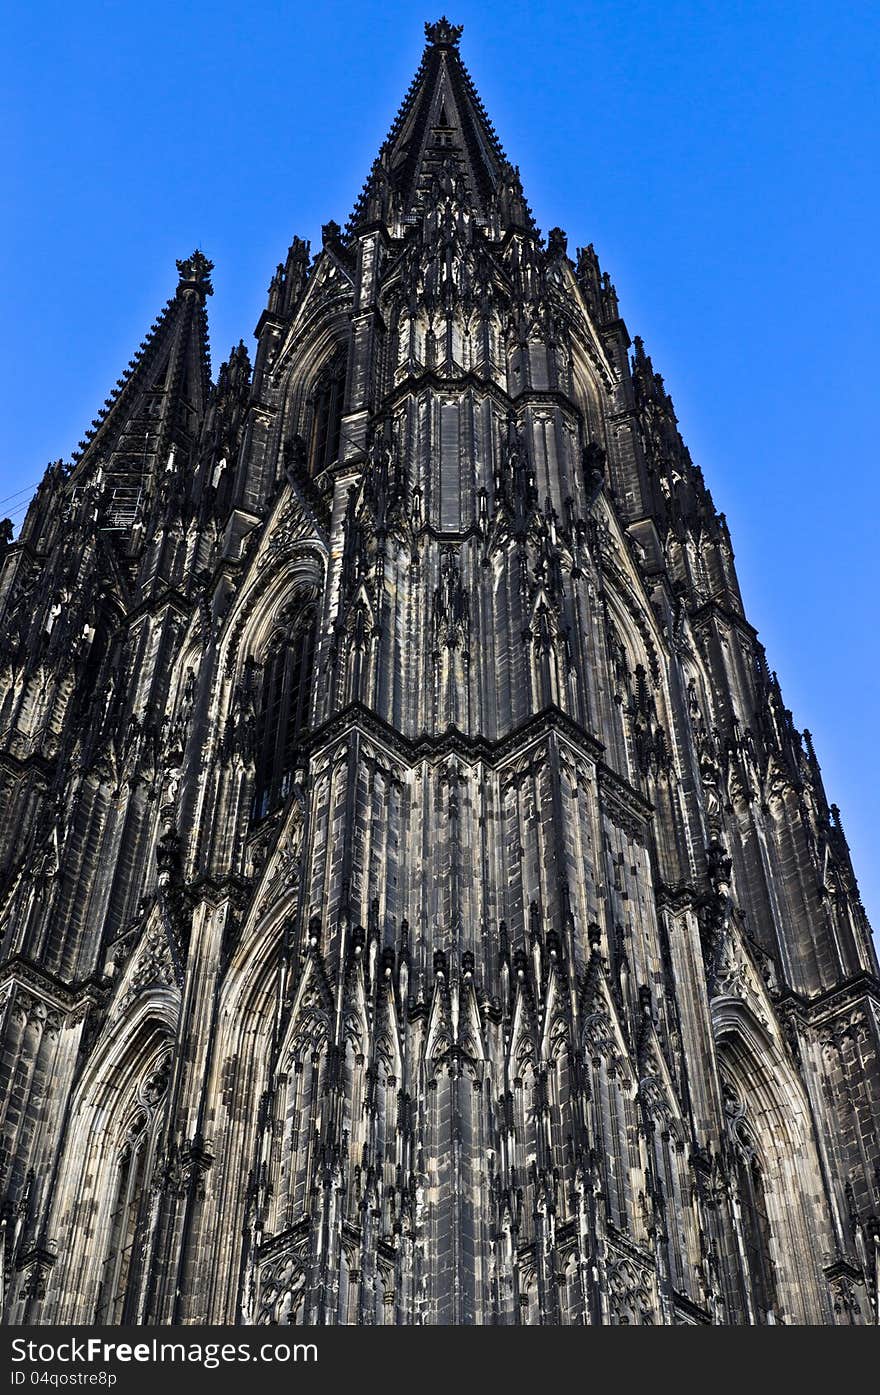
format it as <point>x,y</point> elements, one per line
<point>587,399</point>
<point>326,405</point>
<point>283,703</point>
<point>299,1078</point>
<point>299,574</point>
<point>308,355</point>
<point>773,1108</point>
<point>301,1081</point>
<point>641,641</point>
<point>240,1073</point>
<point>638,679</point>
<point>551,676</point>
<point>117,1114</point>
<point>668,1140</point>
<point>272,601</point>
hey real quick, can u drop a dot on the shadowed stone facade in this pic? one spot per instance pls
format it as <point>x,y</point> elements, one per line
<point>418,905</point>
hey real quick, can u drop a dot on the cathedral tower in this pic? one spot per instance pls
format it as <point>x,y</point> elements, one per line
<point>417,903</point>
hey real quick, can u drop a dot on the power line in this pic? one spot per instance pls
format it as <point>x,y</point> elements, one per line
<point>28,489</point>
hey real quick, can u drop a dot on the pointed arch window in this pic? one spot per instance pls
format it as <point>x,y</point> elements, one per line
<point>559,1090</point>
<point>122,1270</point>
<point>328,400</point>
<point>756,1232</point>
<point>754,1222</point>
<point>120,1262</point>
<point>283,712</point>
<point>97,650</point>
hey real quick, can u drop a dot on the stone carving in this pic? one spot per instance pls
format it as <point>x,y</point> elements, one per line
<point>401,825</point>
<point>281,1286</point>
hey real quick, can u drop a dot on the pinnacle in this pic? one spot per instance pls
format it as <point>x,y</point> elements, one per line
<point>195,273</point>
<point>443,34</point>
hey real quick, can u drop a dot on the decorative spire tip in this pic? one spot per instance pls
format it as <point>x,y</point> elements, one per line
<point>195,273</point>
<point>443,34</point>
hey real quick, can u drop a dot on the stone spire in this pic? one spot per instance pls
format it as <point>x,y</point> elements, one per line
<point>412,882</point>
<point>161,396</point>
<point>441,129</point>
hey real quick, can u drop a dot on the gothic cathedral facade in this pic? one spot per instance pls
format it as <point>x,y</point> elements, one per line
<point>417,903</point>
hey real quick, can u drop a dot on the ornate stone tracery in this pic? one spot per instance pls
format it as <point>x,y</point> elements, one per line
<point>417,903</point>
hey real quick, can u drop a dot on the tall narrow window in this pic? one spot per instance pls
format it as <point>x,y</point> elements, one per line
<point>120,1263</point>
<point>753,1220</point>
<point>756,1234</point>
<point>283,712</point>
<point>327,403</point>
<point>450,467</point>
<point>122,1270</point>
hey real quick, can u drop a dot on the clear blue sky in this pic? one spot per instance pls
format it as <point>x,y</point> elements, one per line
<point>721,156</point>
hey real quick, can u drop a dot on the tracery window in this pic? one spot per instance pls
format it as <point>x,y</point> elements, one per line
<point>753,1217</point>
<point>328,399</point>
<point>123,1258</point>
<point>756,1234</point>
<point>283,712</point>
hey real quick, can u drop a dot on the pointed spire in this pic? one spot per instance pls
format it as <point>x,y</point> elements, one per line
<point>159,400</point>
<point>441,126</point>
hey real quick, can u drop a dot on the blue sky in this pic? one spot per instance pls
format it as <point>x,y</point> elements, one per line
<point>722,158</point>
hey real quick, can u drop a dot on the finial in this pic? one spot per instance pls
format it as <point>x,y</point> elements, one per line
<point>195,273</point>
<point>557,243</point>
<point>443,34</point>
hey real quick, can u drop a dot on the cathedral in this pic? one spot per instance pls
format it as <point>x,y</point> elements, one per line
<point>417,903</point>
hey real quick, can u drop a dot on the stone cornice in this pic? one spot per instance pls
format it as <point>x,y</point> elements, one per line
<point>18,765</point>
<point>428,379</point>
<point>681,897</point>
<point>215,891</point>
<point>625,805</point>
<point>24,546</point>
<point>171,598</point>
<point>54,991</point>
<point>454,742</point>
<point>710,609</point>
<point>841,998</point>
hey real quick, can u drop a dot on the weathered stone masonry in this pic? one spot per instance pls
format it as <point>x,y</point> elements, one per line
<point>417,903</point>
